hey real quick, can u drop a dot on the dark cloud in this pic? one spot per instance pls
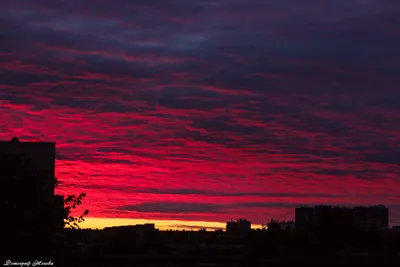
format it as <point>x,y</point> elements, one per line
<point>174,207</point>
<point>206,193</point>
<point>386,158</point>
<point>193,208</point>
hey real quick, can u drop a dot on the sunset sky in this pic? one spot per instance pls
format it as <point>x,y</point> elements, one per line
<point>198,111</point>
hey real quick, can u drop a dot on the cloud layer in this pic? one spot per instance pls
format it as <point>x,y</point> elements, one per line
<point>207,110</point>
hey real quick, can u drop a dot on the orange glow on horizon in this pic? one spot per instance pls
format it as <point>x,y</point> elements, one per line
<point>100,223</point>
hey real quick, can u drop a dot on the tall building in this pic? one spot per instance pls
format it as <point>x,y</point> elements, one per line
<point>304,218</point>
<point>27,175</point>
<point>374,217</point>
<point>358,218</point>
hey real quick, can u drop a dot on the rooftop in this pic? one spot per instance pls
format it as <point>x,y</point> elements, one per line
<point>17,141</point>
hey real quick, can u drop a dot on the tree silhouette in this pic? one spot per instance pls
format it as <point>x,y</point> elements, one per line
<point>70,203</point>
<point>273,226</point>
<point>272,238</point>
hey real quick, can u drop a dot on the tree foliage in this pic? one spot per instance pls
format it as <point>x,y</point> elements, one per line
<point>273,225</point>
<point>71,202</point>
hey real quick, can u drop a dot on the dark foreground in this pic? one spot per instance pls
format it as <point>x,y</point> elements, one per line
<point>228,261</point>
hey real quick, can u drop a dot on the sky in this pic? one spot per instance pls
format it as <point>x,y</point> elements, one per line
<point>193,112</point>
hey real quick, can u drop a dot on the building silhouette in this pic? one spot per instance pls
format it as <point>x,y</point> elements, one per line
<point>290,225</point>
<point>360,218</point>
<point>137,228</point>
<point>27,176</point>
<point>239,226</point>
<point>371,218</point>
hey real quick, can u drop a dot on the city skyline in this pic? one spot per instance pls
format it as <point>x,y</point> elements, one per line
<point>202,111</point>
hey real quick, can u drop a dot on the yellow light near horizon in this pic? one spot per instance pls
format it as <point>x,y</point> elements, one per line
<point>100,223</point>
